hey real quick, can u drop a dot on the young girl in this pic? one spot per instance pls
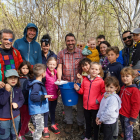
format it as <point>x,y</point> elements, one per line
<point>12,86</point>
<point>52,89</point>
<point>129,95</point>
<point>25,72</point>
<point>92,97</point>
<point>109,108</point>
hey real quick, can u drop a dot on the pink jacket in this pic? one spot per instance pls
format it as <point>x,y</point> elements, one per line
<point>51,88</point>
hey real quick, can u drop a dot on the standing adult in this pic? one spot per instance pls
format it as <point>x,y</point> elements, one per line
<point>100,38</point>
<point>30,49</point>
<point>10,57</point>
<point>68,60</point>
<point>46,52</point>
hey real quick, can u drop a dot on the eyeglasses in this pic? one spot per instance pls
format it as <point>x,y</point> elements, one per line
<point>79,46</point>
<point>129,37</point>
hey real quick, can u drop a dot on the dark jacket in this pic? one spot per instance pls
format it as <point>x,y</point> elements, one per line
<point>5,102</point>
<point>29,51</point>
<point>51,54</point>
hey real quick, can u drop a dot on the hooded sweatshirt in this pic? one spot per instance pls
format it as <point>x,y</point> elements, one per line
<point>109,109</point>
<point>30,51</point>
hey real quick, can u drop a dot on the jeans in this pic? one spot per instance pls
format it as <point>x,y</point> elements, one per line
<point>6,129</point>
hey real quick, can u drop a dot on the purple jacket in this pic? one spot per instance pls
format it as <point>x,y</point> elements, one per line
<point>5,102</point>
<point>51,88</point>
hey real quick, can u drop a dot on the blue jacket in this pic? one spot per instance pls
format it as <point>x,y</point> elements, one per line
<point>36,101</point>
<point>29,51</point>
<point>109,109</point>
<point>5,102</point>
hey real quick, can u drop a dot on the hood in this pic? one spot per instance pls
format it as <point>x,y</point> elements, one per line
<point>115,63</point>
<point>25,31</point>
<point>133,85</point>
<point>119,100</point>
<point>32,82</point>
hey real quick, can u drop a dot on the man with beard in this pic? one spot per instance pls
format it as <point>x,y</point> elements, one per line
<point>126,53</point>
<point>68,60</point>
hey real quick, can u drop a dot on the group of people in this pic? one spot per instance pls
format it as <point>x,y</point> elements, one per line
<point>28,73</point>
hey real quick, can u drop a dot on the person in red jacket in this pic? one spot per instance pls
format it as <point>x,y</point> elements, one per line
<point>92,89</point>
<point>10,57</point>
<point>129,95</point>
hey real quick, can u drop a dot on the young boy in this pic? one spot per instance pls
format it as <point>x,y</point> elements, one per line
<point>38,102</point>
<point>135,61</point>
<point>90,51</point>
<point>114,68</point>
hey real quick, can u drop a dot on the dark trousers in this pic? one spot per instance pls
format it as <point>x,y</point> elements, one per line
<point>90,116</point>
<point>109,131</point>
<point>52,107</point>
<point>46,119</point>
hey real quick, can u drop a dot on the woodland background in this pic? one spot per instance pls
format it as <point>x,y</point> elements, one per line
<point>84,18</point>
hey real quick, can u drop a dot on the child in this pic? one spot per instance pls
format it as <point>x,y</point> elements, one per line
<point>84,66</point>
<point>38,102</point>
<point>92,97</point>
<point>12,86</point>
<point>114,68</point>
<point>52,89</point>
<point>135,60</point>
<point>25,72</point>
<point>80,45</point>
<point>91,51</point>
<point>129,95</point>
<point>109,108</point>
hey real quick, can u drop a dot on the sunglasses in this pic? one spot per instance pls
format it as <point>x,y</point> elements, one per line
<point>45,40</point>
<point>79,46</point>
<point>129,37</point>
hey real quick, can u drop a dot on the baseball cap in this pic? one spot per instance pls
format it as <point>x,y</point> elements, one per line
<point>136,31</point>
<point>11,72</point>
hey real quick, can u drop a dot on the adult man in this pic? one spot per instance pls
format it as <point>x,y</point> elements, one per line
<point>30,50</point>
<point>100,38</point>
<point>68,60</point>
<point>125,54</point>
<point>10,57</point>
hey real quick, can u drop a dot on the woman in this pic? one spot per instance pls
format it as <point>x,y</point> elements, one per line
<point>46,52</point>
<point>103,57</point>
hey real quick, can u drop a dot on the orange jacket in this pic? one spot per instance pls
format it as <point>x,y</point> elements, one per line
<point>17,59</point>
<point>92,92</point>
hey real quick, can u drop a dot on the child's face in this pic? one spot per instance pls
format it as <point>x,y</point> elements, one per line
<point>92,44</point>
<point>136,37</point>
<point>86,67</point>
<point>110,89</point>
<point>112,56</point>
<point>51,65</point>
<point>12,80</point>
<point>25,70</point>
<point>94,70</point>
<point>127,79</point>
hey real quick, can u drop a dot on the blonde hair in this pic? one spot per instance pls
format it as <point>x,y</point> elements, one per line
<point>91,39</point>
<point>39,69</point>
<point>51,58</point>
<point>128,70</point>
<point>100,68</point>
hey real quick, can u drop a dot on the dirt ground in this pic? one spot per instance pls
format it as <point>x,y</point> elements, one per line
<point>75,135</point>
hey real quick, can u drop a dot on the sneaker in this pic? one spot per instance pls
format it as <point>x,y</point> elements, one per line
<point>46,133</point>
<point>55,129</point>
<point>21,138</point>
<point>29,134</point>
<point>87,139</point>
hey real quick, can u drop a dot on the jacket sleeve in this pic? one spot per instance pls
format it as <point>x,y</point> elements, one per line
<point>102,87</point>
<point>110,109</point>
<point>134,105</point>
<point>39,58</point>
<point>120,58</point>
<point>21,99</point>
<point>81,90</point>
<point>4,96</point>
<point>85,51</point>
<point>19,57</point>
<point>136,57</point>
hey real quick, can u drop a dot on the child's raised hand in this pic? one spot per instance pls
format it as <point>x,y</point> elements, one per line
<point>76,87</point>
<point>8,87</point>
<point>79,76</point>
<point>49,96</point>
<point>15,105</point>
<point>2,84</point>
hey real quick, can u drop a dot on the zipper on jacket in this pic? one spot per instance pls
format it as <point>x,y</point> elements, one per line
<point>29,51</point>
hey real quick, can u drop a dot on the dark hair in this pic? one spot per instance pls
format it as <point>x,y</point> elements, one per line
<point>125,32</point>
<point>100,37</point>
<point>114,49</point>
<point>30,74</point>
<point>112,80</point>
<point>18,83</point>
<point>46,38</point>
<point>70,34</point>
<point>106,43</point>
<point>39,69</point>
<point>8,31</point>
